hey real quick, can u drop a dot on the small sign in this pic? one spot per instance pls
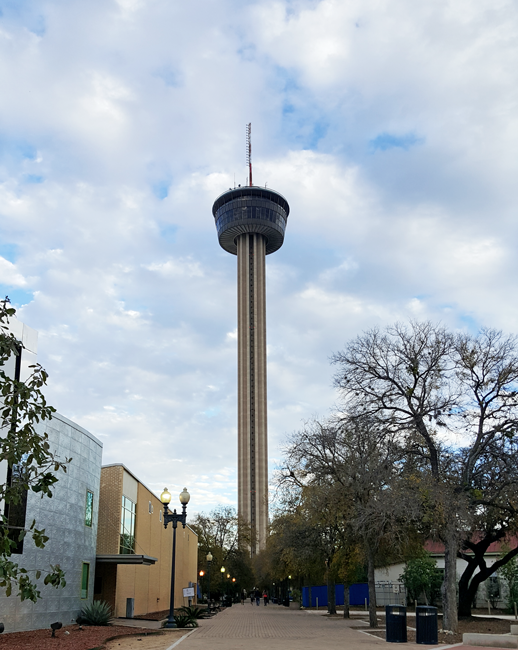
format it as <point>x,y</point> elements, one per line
<point>395,589</point>
<point>188,592</point>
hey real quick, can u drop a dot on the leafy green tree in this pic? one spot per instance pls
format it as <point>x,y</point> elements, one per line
<point>227,538</point>
<point>32,465</point>
<point>422,577</point>
<point>353,474</point>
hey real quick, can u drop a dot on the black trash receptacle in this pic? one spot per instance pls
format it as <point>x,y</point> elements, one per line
<point>426,625</point>
<point>395,623</point>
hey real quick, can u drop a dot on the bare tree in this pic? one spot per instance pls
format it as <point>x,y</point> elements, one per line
<point>457,394</point>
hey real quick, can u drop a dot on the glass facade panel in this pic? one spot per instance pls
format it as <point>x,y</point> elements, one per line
<point>85,577</point>
<point>89,510</point>
<point>127,532</point>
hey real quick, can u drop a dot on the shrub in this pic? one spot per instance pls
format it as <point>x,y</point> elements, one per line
<point>184,620</point>
<point>98,613</point>
<point>421,576</point>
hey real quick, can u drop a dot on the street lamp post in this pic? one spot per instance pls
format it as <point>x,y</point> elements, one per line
<point>222,580</point>
<point>174,518</point>
<point>209,562</point>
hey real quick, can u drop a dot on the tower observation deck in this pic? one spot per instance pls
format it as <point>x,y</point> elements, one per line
<point>251,222</point>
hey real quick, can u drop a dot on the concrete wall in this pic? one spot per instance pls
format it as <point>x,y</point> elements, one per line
<point>71,542</point>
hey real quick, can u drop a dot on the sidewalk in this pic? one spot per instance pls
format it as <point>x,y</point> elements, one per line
<point>278,628</point>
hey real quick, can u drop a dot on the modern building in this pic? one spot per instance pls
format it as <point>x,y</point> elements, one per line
<point>134,550</point>
<point>69,517</point>
<point>251,222</point>
<point>70,521</point>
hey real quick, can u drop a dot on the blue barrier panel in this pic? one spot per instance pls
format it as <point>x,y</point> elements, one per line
<point>357,595</point>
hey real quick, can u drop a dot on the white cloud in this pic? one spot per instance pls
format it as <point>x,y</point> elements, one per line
<point>126,121</point>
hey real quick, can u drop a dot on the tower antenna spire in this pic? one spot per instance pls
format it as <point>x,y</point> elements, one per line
<point>249,151</point>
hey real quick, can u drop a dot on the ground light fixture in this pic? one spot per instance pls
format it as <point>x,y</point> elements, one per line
<point>174,518</point>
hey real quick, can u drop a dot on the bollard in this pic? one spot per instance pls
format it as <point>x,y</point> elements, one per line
<point>515,614</point>
<point>317,602</point>
<point>366,608</point>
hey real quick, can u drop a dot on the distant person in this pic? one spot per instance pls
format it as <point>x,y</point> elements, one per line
<point>251,598</point>
<point>257,597</point>
<point>243,596</point>
<point>265,598</point>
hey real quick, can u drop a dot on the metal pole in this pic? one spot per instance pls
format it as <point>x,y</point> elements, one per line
<point>208,596</point>
<point>170,621</point>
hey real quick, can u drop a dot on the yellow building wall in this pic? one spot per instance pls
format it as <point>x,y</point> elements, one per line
<point>150,585</point>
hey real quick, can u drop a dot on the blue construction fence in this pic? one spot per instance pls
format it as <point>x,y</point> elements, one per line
<point>357,595</point>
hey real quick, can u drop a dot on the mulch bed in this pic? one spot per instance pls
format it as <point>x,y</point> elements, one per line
<point>471,624</point>
<point>90,637</point>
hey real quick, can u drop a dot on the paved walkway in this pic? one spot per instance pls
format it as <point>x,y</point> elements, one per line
<point>278,628</point>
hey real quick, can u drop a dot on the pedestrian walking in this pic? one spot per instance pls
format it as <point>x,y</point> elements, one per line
<point>251,598</point>
<point>265,598</point>
<point>243,596</point>
<point>257,597</point>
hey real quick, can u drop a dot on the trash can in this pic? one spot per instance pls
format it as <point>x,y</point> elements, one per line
<point>426,625</point>
<point>395,623</point>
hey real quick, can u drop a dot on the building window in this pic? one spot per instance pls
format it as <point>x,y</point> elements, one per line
<point>89,509</point>
<point>160,515</point>
<point>127,536</point>
<point>150,508</point>
<point>85,576</point>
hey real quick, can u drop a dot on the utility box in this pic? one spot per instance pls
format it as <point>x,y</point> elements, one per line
<point>395,623</point>
<point>426,625</point>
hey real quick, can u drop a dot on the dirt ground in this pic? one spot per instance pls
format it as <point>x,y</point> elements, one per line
<point>471,624</point>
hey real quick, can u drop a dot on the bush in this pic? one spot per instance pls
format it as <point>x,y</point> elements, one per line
<point>421,576</point>
<point>98,613</point>
<point>509,573</point>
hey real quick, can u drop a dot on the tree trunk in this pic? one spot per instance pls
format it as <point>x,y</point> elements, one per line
<point>346,601</point>
<point>331,596</point>
<point>449,586</point>
<point>373,619</point>
<point>467,589</point>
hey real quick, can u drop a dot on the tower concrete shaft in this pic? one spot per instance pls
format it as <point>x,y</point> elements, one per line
<point>251,222</point>
<point>252,415</point>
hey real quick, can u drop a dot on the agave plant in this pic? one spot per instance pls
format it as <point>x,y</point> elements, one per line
<point>184,620</point>
<point>98,613</point>
<point>193,611</point>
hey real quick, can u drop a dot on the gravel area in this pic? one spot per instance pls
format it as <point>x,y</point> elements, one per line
<point>68,638</point>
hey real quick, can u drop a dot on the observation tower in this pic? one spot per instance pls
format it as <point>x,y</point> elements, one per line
<point>251,222</point>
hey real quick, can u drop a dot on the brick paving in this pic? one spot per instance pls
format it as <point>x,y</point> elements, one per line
<point>275,627</point>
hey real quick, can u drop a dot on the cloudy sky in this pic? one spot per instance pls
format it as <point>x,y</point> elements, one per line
<point>391,127</point>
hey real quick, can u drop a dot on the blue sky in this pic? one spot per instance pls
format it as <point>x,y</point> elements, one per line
<point>390,127</point>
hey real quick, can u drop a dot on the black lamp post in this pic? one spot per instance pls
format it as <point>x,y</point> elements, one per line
<point>222,580</point>
<point>173,517</point>
<point>209,562</point>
